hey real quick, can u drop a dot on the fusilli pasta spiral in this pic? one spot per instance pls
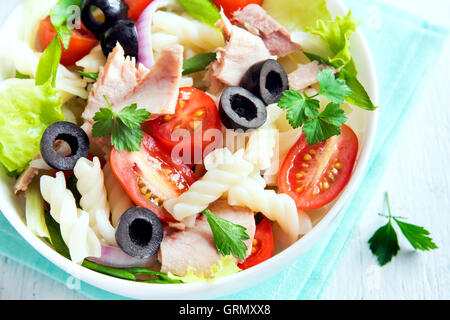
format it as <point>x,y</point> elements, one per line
<point>224,170</point>
<point>281,208</point>
<point>74,223</point>
<point>94,199</point>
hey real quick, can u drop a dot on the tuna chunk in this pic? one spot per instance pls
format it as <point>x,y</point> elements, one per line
<point>123,83</point>
<point>242,50</point>
<point>195,246</point>
<point>305,75</point>
<point>276,38</point>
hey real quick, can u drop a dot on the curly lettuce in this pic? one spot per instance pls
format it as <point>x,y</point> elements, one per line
<point>226,266</point>
<point>336,34</point>
<point>297,15</point>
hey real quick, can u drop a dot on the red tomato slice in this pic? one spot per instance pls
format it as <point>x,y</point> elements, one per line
<point>81,43</point>
<point>230,6</point>
<point>263,245</point>
<point>315,175</point>
<point>150,176</point>
<point>197,113</point>
<point>136,7</point>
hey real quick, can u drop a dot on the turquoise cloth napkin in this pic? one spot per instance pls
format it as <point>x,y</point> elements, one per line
<point>405,49</point>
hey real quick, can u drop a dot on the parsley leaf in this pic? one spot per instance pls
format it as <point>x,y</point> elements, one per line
<point>384,243</point>
<point>303,110</point>
<point>123,126</point>
<point>417,236</point>
<point>333,89</point>
<point>227,236</point>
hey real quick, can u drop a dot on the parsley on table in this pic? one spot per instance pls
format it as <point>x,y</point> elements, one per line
<point>123,126</point>
<point>227,236</point>
<point>303,110</point>
<point>384,243</point>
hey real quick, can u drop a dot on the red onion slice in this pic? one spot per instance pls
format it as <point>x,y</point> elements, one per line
<point>114,257</point>
<point>144,30</point>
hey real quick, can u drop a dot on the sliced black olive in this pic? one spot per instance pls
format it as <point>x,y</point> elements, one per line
<point>241,109</point>
<point>139,232</point>
<point>113,11</point>
<point>124,32</point>
<point>267,80</point>
<point>67,132</point>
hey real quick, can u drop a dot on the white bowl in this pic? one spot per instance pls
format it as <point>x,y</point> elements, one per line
<point>363,123</point>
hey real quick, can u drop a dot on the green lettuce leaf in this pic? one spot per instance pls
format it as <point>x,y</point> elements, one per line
<point>336,33</point>
<point>225,267</point>
<point>297,15</point>
<point>25,114</point>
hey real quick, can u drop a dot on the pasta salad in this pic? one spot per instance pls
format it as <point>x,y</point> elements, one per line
<point>178,141</point>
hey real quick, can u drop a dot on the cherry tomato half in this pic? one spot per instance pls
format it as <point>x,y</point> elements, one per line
<point>263,245</point>
<point>136,7</point>
<point>81,43</point>
<point>197,114</point>
<point>230,6</point>
<point>315,175</point>
<point>150,176</point>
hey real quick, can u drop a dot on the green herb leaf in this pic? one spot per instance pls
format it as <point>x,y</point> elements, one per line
<point>384,244</point>
<point>304,111</point>
<point>417,236</point>
<point>132,118</point>
<point>202,10</point>
<point>114,272</point>
<point>359,96</point>
<point>124,126</point>
<point>48,64</point>
<point>333,89</point>
<point>327,124</point>
<point>60,15</point>
<point>89,75</point>
<point>103,123</point>
<point>227,236</point>
<point>198,63</point>
<point>161,277</point>
<point>20,75</point>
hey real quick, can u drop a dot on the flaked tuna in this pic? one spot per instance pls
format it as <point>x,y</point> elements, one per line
<point>123,83</point>
<point>242,50</point>
<point>305,75</point>
<point>276,38</point>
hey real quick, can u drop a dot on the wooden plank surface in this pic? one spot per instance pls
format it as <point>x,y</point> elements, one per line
<point>418,179</point>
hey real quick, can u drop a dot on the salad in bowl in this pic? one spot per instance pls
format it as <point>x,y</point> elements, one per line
<point>181,143</point>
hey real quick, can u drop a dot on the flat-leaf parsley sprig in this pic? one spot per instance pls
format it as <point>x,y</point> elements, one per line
<point>227,236</point>
<point>303,110</point>
<point>384,243</point>
<point>123,126</point>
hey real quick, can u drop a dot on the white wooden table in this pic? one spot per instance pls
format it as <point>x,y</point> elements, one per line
<point>418,179</point>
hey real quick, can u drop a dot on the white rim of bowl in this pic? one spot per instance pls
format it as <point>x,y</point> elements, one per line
<point>241,280</point>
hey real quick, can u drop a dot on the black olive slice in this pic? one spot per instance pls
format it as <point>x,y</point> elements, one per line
<point>139,233</point>
<point>113,11</point>
<point>241,109</point>
<point>124,32</point>
<point>267,80</point>
<point>70,133</point>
